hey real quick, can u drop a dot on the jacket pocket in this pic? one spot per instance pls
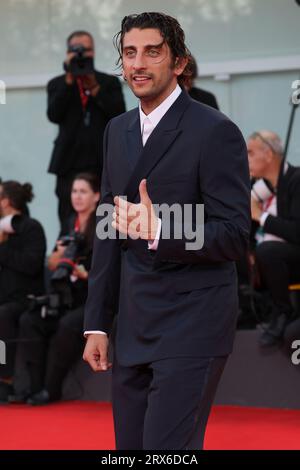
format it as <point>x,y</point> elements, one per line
<point>161,181</point>
<point>194,281</point>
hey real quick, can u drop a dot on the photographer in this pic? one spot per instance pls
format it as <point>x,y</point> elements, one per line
<point>81,102</point>
<point>52,337</point>
<point>22,255</point>
<point>275,203</point>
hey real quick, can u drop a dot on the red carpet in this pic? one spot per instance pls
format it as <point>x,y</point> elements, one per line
<point>86,425</point>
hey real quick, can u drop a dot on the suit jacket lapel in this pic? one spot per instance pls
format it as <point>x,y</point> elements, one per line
<point>160,140</point>
<point>133,140</point>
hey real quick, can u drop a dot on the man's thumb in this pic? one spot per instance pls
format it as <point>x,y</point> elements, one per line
<point>144,196</point>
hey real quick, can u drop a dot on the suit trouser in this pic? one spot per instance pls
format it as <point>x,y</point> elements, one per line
<point>164,405</point>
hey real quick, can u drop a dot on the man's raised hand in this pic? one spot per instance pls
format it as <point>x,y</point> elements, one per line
<point>136,220</point>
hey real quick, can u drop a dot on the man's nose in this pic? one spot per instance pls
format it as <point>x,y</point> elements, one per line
<point>139,61</point>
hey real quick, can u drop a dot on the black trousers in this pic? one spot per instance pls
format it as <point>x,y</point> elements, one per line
<point>9,322</point>
<point>164,405</point>
<point>48,348</point>
<point>279,266</point>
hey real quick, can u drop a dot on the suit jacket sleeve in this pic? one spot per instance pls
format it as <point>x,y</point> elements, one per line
<point>59,95</point>
<point>283,227</point>
<point>110,98</point>
<point>225,187</point>
<point>103,280</point>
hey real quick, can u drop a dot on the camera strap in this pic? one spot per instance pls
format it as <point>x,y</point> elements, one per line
<point>84,98</point>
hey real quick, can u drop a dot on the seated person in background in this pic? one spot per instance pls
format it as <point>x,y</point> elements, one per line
<point>22,256</point>
<point>198,94</point>
<point>276,207</point>
<point>53,336</point>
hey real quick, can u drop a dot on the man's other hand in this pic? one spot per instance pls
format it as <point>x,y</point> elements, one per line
<point>96,352</point>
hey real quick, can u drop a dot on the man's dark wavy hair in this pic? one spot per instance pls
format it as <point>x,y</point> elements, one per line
<point>168,27</point>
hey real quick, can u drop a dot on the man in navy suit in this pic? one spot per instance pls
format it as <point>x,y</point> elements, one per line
<point>177,305</point>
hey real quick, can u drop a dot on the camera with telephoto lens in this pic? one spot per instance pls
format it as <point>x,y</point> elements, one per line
<point>79,64</point>
<point>60,291</point>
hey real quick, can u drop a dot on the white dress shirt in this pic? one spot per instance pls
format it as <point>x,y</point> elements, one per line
<point>148,124</point>
<point>149,121</point>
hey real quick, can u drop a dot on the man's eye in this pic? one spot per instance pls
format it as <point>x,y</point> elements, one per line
<point>153,53</point>
<point>129,53</point>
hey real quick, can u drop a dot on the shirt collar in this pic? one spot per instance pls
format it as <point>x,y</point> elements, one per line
<point>155,116</point>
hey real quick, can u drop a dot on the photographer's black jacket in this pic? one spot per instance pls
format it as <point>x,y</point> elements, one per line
<point>78,147</point>
<point>286,224</point>
<point>22,259</point>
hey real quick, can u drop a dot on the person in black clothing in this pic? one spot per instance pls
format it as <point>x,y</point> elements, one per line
<point>198,94</point>
<point>278,253</point>
<point>81,106</point>
<point>22,254</point>
<point>54,343</point>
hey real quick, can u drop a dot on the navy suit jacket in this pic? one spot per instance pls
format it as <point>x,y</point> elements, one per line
<point>173,302</point>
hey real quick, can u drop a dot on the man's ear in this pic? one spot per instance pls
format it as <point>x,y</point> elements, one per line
<point>180,64</point>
